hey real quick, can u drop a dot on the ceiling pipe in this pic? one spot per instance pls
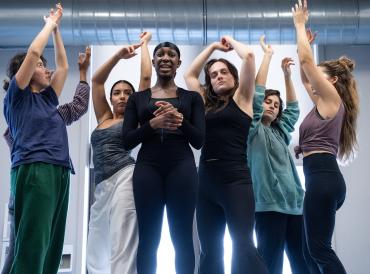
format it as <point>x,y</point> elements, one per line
<point>185,22</point>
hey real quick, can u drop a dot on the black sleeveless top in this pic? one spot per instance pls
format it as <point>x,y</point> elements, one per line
<point>226,134</point>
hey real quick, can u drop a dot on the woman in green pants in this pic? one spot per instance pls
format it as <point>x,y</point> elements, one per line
<point>40,155</point>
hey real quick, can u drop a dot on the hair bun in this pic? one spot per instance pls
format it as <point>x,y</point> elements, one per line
<point>347,63</point>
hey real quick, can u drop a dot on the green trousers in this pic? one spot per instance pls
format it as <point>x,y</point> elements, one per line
<point>40,210</point>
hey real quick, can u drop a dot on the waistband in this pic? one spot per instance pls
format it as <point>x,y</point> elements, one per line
<point>320,162</point>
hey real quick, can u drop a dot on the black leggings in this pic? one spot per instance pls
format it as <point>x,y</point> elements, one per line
<point>168,181</point>
<point>325,194</point>
<point>226,197</point>
<point>277,232</point>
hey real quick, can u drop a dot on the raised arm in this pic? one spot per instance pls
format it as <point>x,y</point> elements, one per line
<point>101,106</point>
<point>323,88</point>
<point>35,50</point>
<point>84,63</point>
<point>263,70</point>
<point>311,38</point>
<point>290,114</point>
<point>244,94</point>
<point>191,75</point>
<point>146,65</point>
<point>60,74</point>
<point>74,110</point>
<point>290,91</point>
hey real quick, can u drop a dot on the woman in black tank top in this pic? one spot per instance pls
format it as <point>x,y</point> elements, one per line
<point>225,189</point>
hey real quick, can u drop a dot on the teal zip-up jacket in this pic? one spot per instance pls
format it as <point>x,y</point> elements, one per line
<point>276,182</point>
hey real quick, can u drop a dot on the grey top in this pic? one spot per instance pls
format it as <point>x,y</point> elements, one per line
<point>316,133</point>
<point>109,155</point>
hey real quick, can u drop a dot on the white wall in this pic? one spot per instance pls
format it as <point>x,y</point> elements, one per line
<point>352,232</point>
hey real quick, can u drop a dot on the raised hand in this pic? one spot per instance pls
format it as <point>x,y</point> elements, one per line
<point>221,47</point>
<point>267,49</point>
<point>226,41</point>
<point>145,36</point>
<point>285,66</point>
<point>300,13</point>
<point>84,59</point>
<point>128,52</point>
<point>311,36</point>
<point>55,16</point>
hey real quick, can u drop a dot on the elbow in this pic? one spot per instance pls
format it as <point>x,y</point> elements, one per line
<point>249,56</point>
<point>63,68</point>
<point>127,140</point>
<point>94,80</point>
<point>147,78</point>
<point>127,145</point>
<point>33,52</point>
<point>305,61</point>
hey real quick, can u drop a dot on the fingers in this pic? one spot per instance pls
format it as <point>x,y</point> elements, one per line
<point>225,41</point>
<point>88,51</point>
<point>145,36</point>
<point>262,41</point>
<point>173,122</point>
<point>81,57</point>
<point>136,46</point>
<point>59,9</point>
<point>163,107</point>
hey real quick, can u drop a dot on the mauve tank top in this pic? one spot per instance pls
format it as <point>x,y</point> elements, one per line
<point>316,133</point>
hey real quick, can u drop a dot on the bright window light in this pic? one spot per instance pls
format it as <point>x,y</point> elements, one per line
<point>166,252</point>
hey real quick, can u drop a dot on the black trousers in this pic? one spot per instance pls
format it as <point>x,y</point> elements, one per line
<point>277,232</point>
<point>226,197</point>
<point>325,194</point>
<point>159,181</point>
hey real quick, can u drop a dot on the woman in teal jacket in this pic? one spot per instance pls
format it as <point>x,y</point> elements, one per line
<point>277,188</point>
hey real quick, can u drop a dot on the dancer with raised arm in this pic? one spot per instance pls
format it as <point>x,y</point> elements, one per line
<point>113,236</point>
<point>327,132</point>
<point>70,113</point>
<point>40,154</point>
<point>277,188</point>
<point>225,185</point>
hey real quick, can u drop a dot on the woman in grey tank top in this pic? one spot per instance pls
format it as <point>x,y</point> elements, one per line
<point>328,131</point>
<point>112,237</point>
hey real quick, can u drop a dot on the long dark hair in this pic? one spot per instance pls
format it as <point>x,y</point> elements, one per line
<point>212,100</point>
<point>347,90</point>
<point>14,64</point>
